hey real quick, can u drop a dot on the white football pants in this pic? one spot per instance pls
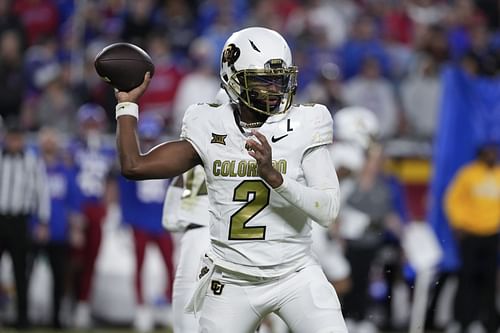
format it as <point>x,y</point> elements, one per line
<point>193,245</point>
<point>305,300</point>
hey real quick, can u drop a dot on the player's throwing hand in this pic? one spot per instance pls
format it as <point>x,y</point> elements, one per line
<point>134,94</point>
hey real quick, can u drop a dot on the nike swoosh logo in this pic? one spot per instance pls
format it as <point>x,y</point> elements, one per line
<point>274,140</point>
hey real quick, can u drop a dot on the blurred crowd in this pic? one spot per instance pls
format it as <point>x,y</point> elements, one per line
<point>384,56</point>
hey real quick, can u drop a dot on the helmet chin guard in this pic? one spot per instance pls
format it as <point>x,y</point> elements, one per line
<point>256,70</point>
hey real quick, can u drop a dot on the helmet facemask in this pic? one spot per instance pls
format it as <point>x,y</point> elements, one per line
<point>269,90</point>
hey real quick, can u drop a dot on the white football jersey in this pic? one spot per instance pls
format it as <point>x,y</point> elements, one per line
<point>253,229</point>
<point>194,202</point>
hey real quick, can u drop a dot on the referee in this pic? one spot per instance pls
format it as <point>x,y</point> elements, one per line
<point>23,191</point>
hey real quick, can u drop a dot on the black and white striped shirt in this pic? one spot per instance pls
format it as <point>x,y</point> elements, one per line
<point>23,185</point>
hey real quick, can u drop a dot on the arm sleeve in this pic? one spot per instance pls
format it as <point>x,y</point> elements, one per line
<point>171,206</point>
<point>320,198</point>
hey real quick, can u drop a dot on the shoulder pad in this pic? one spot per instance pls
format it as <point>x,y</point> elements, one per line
<point>320,124</point>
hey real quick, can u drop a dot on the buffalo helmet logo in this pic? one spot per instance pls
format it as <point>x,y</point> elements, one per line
<point>231,54</point>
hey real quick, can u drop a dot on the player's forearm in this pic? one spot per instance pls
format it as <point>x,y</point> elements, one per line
<point>320,204</point>
<point>320,198</point>
<point>166,160</point>
<point>128,146</point>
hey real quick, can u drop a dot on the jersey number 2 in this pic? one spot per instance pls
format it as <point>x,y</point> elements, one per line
<point>256,194</point>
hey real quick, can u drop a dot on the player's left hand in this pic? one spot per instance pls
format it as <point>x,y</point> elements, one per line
<point>262,152</point>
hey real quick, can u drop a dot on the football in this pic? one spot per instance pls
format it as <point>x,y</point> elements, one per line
<point>123,65</point>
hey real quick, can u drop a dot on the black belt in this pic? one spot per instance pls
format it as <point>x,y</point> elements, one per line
<point>192,226</point>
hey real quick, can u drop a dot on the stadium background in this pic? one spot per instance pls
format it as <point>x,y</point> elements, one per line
<point>427,69</point>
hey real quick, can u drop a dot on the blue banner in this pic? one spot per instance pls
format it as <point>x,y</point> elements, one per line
<point>469,116</point>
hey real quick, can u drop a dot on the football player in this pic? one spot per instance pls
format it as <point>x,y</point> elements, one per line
<point>268,174</point>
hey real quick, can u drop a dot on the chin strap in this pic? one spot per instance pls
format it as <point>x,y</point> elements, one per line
<point>243,126</point>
